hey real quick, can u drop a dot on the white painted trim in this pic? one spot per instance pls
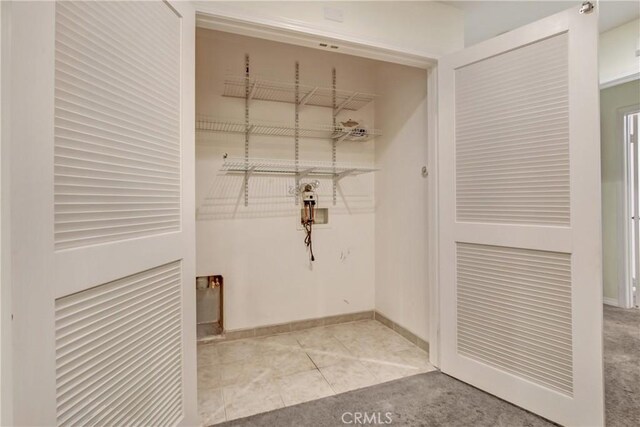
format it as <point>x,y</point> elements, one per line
<point>611,301</point>
<point>6,371</point>
<point>624,213</point>
<point>188,206</point>
<point>620,80</point>
<point>432,220</point>
<point>625,286</point>
<point>214,16</point>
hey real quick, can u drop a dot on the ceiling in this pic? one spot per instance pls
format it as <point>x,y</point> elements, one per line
<point>486,19</point>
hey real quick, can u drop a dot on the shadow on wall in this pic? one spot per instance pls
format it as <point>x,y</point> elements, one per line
<point>269,197</point>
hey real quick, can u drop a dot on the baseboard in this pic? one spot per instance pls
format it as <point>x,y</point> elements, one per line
<point>611,301</point>
<point>299,325</point>
<point>281,328</point>
<point>413,338</point>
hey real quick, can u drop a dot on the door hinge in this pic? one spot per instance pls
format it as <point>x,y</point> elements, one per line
<point>587,7</point>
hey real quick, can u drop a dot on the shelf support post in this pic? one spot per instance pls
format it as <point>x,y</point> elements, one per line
<point>334,141</point>
<point>296,131</point>
<point>247,127</point>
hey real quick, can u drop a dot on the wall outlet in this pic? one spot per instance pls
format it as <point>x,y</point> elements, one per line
<point>333,14</point>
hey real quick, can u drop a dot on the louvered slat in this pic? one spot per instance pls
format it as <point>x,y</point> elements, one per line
<point>512,137</point>
<point>514,312</point>
<point>118,351</point>
<point>117,121</point>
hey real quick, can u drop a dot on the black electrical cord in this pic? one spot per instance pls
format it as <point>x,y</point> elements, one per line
<point>307,240</point>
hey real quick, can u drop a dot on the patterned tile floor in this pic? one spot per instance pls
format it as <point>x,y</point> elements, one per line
<point>241,378</point>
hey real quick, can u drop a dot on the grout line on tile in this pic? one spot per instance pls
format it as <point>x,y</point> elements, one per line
<point>327,381</point>
<point>224,404</point>
<point>284,405</point>
<point>339,340</point>
<point>369,370</point>
<point>314,363</point>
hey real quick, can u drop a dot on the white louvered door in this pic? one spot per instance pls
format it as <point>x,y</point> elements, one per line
<point>519,211</point>
<point>103,213</point>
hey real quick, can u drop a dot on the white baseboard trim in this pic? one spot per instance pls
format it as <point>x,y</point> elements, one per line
<point>423,344</point>
<point>611,301</point>
<point>280,328</point>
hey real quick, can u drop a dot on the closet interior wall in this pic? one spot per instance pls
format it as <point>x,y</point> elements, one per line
<point>402,240</point>
<point>259,248</point>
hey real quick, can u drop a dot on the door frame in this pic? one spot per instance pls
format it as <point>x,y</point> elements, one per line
<point>213,16</point>
<point>6,382</point>
<point>625,286</point>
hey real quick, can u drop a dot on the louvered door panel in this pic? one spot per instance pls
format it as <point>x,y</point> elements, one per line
<point>512,136</point>
<point>117,121</point>
<point>514,312</point>
<point>118,351</point>
<point>520,277</point>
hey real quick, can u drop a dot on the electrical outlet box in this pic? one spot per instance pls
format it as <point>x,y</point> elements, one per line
<point>321,216</point>
<point>321,219</point>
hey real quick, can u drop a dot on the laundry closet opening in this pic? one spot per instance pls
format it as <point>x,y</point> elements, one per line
<point>312,204</point>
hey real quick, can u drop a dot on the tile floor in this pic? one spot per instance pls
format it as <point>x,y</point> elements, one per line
<point>241,378</point>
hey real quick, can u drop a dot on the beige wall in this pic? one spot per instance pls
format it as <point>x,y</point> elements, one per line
<point>613,170</point>
<point>617,52</point>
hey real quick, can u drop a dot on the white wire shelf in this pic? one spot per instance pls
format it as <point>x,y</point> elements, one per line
<point>289,167</point>
<point>234,86</point>
<point>357,133</point>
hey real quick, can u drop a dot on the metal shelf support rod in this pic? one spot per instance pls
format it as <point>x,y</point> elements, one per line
<point>334,143</point>
<point>247,127</point>
<point>296,132</point>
